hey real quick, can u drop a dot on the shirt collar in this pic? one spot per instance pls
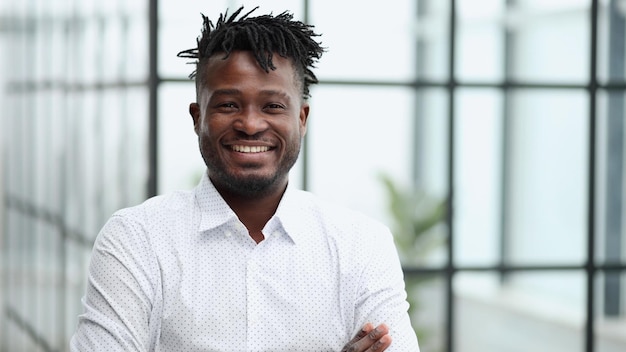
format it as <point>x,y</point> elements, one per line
<point>292,213</point>
<point>215,212</point>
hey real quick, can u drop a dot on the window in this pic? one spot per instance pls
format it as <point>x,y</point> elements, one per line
<point>508,114</point>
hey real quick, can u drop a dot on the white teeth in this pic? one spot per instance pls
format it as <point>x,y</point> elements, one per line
<point>250,149</point>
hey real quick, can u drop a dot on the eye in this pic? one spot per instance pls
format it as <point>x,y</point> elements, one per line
<point>274,107</point>
<point>225,106</point>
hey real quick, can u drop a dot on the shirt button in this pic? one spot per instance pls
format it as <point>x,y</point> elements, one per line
<point>228,233</point>
<point>253,267</point>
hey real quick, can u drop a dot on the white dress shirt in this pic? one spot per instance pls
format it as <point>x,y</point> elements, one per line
<point>180,273</point>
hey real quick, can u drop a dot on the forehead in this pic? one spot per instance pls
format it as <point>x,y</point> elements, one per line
<point>242,65</point>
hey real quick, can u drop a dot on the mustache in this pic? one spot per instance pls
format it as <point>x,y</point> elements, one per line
<point>259,137</point>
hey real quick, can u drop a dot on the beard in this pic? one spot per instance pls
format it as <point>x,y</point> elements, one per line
<point>252,185</point>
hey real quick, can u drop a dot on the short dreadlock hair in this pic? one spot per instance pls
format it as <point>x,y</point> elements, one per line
<point>263,36</point>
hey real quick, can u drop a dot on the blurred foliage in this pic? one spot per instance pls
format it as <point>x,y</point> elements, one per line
<point>415,217</point>
<point>418,231</point>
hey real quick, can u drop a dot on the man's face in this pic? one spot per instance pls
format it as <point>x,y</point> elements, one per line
<point>249,123</point>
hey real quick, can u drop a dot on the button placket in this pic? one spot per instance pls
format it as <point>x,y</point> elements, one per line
<point>254,299</point>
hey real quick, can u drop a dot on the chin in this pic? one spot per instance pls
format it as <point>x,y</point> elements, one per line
<point>249,185</point>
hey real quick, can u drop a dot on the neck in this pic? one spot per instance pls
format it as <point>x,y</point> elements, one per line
<point>254,211</point>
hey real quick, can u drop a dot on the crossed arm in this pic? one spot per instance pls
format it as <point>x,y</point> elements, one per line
<point>113,257</point>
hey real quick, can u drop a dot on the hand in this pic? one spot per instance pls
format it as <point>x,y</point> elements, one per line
<point>369,339</point>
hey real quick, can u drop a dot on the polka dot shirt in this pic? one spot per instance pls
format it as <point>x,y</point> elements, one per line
<point>180,273</point>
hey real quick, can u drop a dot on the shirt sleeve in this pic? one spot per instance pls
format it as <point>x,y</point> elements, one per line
<point>121,288</point>
<point>382,296</point>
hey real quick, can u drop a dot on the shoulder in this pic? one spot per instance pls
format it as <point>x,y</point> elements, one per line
<point>167,206</point>
<point>339,220</point>
<point>153,219</point>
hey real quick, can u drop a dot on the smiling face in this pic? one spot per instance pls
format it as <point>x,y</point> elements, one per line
<point>249,123</point>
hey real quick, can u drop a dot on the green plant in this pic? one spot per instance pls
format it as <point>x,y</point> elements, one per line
<point>415,216</point>
<point>418,231</point>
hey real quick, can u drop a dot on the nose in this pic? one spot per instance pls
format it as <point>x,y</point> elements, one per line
<point>250,122</point>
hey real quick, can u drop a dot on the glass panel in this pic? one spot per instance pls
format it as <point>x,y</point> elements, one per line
<point>610,313</point>
<point>56,116</point>
<point>139,8</point>
<point>418,222</point>
<point>77,259</point>
<point>355,134</point>
<point>541,40</point>
<point>110,59</point>
<point>530,312</point>
<point>426,296</point>
<point>87,136</point>
<point>611,41</point>
<point>111,123</point>
<point>180,162</point>
<point>366,42</point>
<point>49,283</point>
<point>547,189</point>
<point>135,49</point>
<point>432,34</point>
<point>611,151</point>
<point>478,176</point>
<point>84,68</point>
<point>188,10</point>
<point>135,144</point>
<point>180,25</point>
<point>63,144</point>
<point>41,40</point>
<point>107,8</point>
<point>267,6</point>
<point>173,38</point>
<point>432,141</point>
<point>480,40</point>
<point>39,142</point>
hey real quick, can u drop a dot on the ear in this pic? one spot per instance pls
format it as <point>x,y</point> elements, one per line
<point>194,111</point>
<point>304,115</point>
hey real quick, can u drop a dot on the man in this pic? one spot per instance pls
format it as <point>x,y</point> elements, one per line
<point>245,262</point>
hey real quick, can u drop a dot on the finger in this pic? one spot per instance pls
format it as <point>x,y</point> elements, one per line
<point>380,331</point>
<point>381,344</point>
<point>366,329</point>
<point>367,341</point>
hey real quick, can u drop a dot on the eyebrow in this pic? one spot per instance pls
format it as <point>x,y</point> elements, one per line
<point>228,92</point>
<point>222,92</point>
<point>272,92</point>
<point>233,91</point>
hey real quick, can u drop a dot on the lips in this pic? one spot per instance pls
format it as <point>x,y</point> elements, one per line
<point>250,149</point>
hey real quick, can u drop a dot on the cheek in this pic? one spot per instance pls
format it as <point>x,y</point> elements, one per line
<point>211,128</point>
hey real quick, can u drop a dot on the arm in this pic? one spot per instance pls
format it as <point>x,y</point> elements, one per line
<point>120,291</point>
<point>382,298</point>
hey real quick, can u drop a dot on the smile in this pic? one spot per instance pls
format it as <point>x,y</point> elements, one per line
<point>250,149</point>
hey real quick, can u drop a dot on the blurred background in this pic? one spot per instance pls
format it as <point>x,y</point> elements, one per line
<point>488,134</point>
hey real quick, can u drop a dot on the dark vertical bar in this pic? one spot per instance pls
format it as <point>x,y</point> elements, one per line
<point>614,163</point>
<point>68,153</point>
<point>63,255</point>
<point>153,88</point>
<point>451,155</point>
<point>590,265</point>
<point>9,121</point>
<point>417,163</point>
<point>27,194</point>
<point>505,174</point>
<point>305,141</point>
